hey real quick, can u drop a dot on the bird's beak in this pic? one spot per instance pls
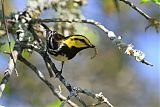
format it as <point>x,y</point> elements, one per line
<point>91,46</point>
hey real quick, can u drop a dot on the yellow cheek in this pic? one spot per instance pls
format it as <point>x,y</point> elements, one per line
<point>69,43</point>
<point>76,44</point>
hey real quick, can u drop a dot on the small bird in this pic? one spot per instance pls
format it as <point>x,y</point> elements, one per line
<point>65,48</point>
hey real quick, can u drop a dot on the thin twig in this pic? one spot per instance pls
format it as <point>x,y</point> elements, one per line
<point>8,38</point>
<point>153,22</point>
<point>137,9</point>
<point>49,69</point>
<point>41,76</point>
<point>10,69</point>
<point>100,97</point>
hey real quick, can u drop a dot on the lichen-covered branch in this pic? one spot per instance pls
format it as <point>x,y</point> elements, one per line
<point>11,67</point>
<point>69,87</point>
<point>7,33</point>
<point>56,92</point>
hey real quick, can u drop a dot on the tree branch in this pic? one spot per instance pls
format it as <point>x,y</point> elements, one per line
<point>41,76</point>
<point>11,67</point>
<point>100,97</point>
<point>69,87</point>
<point>136,9</point>
<point>153,22</point>
<point>116,40</point>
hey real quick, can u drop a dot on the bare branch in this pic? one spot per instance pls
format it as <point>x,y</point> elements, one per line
<point>100,97</point>
<point>153,22</point>
<point>8,38</point>
<point>10,69</point>
<point>41,76</point>
<point>69,87</point>
<point>136,8</point>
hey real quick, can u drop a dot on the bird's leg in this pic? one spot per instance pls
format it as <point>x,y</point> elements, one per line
<point>60,72</point>
<point>62,67</point>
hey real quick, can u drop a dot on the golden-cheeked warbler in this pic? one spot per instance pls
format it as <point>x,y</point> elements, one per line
<point>60,47</point>
<point>65,48</point>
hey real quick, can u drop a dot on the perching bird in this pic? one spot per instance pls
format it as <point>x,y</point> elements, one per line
<point>65,48</point>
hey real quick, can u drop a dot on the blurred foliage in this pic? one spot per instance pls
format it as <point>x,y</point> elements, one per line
<point>26,53</point>
<point>54,104</point>
<point>8,90</point>
<point>4,46</point>
<point>154,1</point>
<point>2,32</point>
<point>7,7</point>
<point>109,6</point>
<point>1,44</point>
<point>144,1</point>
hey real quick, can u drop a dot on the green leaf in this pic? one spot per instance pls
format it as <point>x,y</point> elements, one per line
<point>156,2</point>
<point>144,1</point>
<point>54,104</point>
<point>1,44</point>
<point>2,32</point>
<point>25,53</point>
<point>5,47</point>
<point>8,89</point>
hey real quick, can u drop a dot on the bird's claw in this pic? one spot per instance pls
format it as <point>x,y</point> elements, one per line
<point>58,74</point>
